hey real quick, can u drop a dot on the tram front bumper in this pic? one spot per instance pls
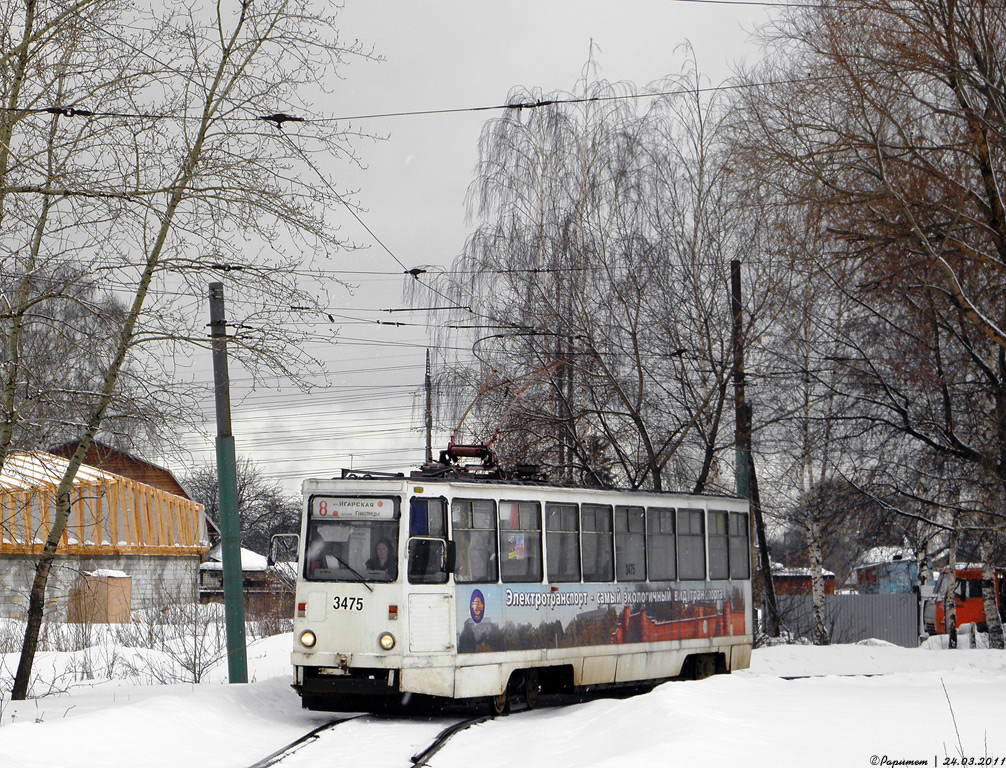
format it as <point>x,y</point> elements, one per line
<point>360,681</point>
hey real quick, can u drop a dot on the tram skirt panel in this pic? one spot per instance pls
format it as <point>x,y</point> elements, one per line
<point>430,624</point>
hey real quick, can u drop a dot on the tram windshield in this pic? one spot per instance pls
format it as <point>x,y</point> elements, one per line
<point>351,540</point>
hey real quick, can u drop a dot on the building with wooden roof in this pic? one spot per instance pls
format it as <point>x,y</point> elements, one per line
<point>155,536</point>
<point>799,581</point>
<point>120,462</point>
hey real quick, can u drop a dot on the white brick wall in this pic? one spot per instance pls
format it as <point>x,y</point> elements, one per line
<point>157,580</point>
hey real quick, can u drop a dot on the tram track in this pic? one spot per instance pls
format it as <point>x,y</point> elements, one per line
<point>422,758</point>
<point>284,752</point>
<point>411,756</point>
<point>418,759</point>
<point>789,678</point>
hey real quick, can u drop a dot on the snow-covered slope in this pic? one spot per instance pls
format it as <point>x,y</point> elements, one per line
<point>924,704</point>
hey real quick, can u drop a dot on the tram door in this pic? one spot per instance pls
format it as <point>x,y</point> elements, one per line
<point>430,560</point>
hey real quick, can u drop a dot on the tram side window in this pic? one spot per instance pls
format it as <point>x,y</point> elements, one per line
<point>740,548</point>
<point>428,517</point>
<point>661,560</point>
<point>598,546</point>
<point>427,563</point>
<point>520,541</point>
<point>475,536</point>
<point>691,545</point>
<point>719,566</point>
<point>562,543</point>
<point>630,544</point>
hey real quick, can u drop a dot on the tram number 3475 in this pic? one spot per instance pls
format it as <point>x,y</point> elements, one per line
<point>347,603</point>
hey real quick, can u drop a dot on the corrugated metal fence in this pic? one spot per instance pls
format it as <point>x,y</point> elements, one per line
<point>851,618</point>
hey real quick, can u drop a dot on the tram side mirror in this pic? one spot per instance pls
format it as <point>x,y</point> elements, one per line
<point>282,548</point>
<point>450,557</point>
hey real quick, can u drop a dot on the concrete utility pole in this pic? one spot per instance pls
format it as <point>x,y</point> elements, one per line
<point>747,482</point>
<point>227,490</point>
<point>742,433</point>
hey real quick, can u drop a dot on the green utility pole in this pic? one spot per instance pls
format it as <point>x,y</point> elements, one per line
<point>227,489</point>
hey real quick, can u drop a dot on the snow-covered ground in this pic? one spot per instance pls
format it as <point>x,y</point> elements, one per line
<point>929,705</point>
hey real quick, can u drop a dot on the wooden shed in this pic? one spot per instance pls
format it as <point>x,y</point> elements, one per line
<point>799,581</point>
<point>156,537</point>
<point>101,456</point>
<point>268,589</point>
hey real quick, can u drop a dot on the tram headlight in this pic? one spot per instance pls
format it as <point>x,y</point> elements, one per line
<point>386,641</point>
<point>308,639</point>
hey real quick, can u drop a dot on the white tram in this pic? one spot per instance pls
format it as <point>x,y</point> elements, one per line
<point>493,590</point>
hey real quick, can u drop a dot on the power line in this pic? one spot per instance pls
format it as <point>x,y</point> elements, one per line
<point>571,100</point>
<point>311,410</point>
<point>414,271</point>
<point>278,119</point>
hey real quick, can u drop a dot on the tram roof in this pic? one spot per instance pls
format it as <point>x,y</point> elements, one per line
<point>418,478</point>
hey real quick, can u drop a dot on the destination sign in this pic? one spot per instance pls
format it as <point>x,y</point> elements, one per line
<point>336,507</point>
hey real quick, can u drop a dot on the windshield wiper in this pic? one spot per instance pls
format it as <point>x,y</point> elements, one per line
<point>360,576</point>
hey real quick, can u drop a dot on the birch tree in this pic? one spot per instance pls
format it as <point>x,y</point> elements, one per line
<point>148,151</point>
<point>596,285</point>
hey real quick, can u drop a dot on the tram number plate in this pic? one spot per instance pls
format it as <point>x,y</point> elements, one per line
<point>348,603</point>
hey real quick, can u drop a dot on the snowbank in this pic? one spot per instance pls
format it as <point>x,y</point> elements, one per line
<point>843,705</point>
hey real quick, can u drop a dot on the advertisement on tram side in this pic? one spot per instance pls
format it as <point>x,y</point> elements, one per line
<point>500,617</point>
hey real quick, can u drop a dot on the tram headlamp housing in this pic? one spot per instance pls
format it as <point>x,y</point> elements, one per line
<point>386,641</point>
<point>308,639</point>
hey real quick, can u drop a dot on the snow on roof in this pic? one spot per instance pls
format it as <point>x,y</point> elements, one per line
<point>964,565</point>
<point>878,555</point>
<point>778,569</point>
<point>250,561</point>
<point>22,471</point>
<point>107,573</point>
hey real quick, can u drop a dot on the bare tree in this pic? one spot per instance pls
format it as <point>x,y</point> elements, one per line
<point>888,119</point>
<point>263,508</point>
<point>146,151</point>
<point>596,285</point>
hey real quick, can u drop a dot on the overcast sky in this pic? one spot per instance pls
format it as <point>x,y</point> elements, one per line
<point>440,54</point>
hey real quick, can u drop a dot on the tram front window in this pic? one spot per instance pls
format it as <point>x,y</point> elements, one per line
<point>351,550</point>
<point>351,538</point>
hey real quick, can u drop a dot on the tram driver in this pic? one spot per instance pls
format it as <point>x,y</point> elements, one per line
<point>383,558</point>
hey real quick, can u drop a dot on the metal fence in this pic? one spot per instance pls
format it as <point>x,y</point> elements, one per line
<point>851,618</point>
